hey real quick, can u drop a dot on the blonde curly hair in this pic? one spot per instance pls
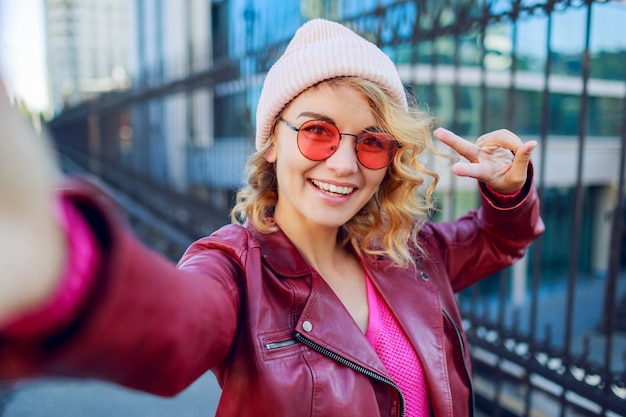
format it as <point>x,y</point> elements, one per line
<point>389,223</point>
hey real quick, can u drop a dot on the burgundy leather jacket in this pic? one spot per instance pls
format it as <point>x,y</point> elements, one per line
<point>248,307</point>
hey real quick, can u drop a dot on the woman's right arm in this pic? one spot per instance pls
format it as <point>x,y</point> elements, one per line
<point>141,322</point>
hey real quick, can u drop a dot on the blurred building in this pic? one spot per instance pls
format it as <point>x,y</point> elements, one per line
<point>88,44</point>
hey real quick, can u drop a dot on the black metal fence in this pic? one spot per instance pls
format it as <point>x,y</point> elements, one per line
<point>546,339</point>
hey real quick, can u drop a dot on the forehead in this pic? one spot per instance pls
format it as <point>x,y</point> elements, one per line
<point>336,101</point>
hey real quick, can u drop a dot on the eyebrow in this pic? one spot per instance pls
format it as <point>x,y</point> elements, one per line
<point>318,116</point>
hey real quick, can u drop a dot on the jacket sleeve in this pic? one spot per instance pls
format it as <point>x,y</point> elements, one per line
<point>145,324</point>
<point>487,239</point>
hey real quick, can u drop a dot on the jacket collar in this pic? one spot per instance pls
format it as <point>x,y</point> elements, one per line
<point>394,284</point>
<point>276,249</point>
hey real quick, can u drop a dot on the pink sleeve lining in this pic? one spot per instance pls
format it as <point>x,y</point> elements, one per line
<point>505,200</point>
<point>77,278</point>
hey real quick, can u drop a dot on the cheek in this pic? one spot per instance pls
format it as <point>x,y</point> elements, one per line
<point>376,178</point>
<point>373,184</point>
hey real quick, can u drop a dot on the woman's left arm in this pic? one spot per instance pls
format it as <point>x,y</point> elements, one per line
<point>496,235</point>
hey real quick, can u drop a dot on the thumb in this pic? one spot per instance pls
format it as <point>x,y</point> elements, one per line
<point>522,158</point>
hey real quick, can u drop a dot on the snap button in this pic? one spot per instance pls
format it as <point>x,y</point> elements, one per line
<point>307,326</point>
<point>424,276</point>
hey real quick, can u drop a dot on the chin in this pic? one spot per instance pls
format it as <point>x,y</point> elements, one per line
<point>330,222</point>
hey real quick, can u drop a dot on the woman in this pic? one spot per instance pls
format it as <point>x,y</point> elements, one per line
<point>332,296</point>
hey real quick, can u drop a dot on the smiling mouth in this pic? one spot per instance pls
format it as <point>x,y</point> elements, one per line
<point>332,189</point>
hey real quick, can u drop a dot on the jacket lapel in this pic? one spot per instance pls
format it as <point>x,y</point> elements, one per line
<point>327,323</point>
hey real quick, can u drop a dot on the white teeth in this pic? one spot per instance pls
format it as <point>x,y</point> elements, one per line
<point>333,188</point>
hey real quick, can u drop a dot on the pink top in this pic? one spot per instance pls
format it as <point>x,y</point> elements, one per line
<point>396,353</point>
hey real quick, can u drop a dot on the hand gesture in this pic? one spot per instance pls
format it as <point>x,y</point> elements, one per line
<point>32,246</point>
<point>499,159</point>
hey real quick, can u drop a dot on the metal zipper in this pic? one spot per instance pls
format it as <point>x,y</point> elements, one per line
<point>282,343</point>
<point>460,337</point>
<point>354,366</point>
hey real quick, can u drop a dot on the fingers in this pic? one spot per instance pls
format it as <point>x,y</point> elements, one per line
<point>468,170</point>
<point>28,169</point>
<point>500,138</point>
<point>497,139</point>
<point>498,158</point>
<point>524,152</point>
<point>519,167</point>
<point>463,147</point>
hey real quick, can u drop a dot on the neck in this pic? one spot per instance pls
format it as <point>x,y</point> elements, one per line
<point>318,245</point>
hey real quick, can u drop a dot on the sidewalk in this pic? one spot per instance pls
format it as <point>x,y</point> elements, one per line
<point>71,398</point>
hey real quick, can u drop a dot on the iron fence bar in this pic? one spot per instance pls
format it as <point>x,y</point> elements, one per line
<point>609,318</point>
<point>512,93</point>
<point>434,61</point>
<point>501,276</point>
<point>483,73</point>
<point>578,202</point>
<point>511,125</point>
<point>504,275</point>
<point>543,143</point>
<point>456,89</point>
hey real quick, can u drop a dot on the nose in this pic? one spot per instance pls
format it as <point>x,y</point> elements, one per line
<point>344,160</point>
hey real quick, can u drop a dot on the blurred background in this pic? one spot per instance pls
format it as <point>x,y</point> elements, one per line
<point>156,99</point>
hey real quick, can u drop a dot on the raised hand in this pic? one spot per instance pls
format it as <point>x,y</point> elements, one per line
<point>499,159</point>
<point>32,246</point>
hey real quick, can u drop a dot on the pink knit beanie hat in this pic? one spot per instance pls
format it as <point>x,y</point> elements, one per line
<point>321,50</point>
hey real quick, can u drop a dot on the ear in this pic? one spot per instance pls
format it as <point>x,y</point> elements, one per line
<point>270,154</point>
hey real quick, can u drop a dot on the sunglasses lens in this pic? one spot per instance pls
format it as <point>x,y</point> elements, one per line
<point>375,150</point>
<point>317,140</point>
